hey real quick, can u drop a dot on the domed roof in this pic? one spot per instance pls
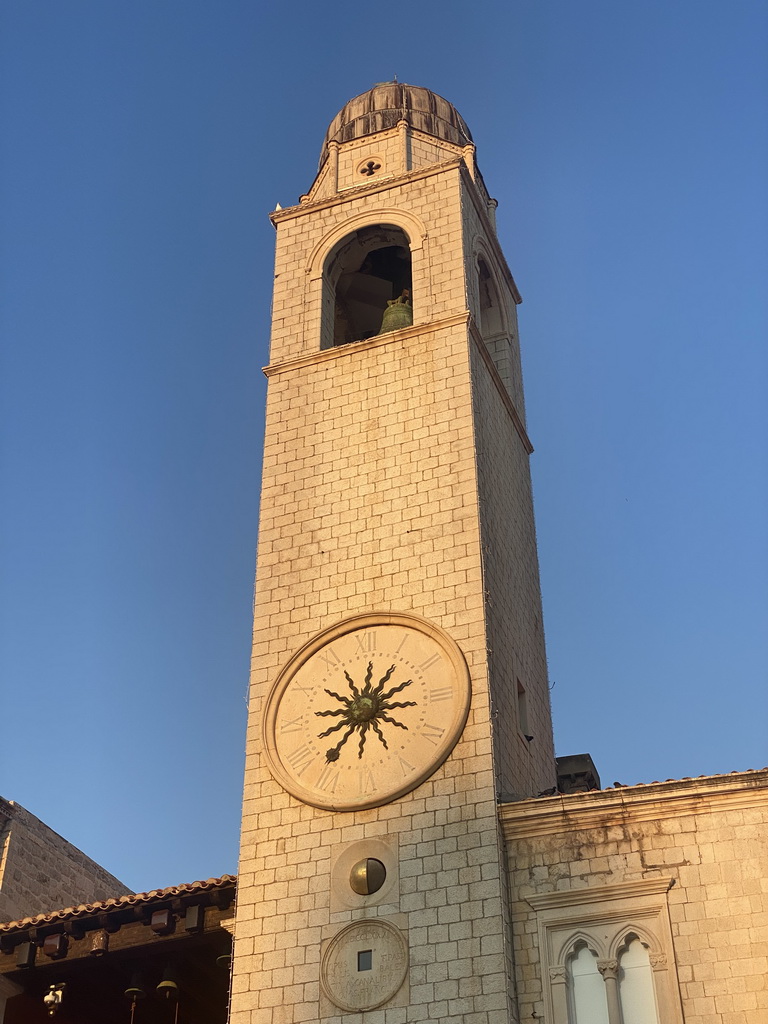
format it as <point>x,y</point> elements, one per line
<point>389,102</point>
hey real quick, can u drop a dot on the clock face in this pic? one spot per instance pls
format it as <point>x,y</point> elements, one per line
<point>366,711</point>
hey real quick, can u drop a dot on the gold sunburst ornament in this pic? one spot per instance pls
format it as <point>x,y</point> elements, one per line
<point>364,710</point>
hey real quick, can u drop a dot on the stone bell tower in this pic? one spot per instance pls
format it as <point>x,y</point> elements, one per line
<point>399,687</point>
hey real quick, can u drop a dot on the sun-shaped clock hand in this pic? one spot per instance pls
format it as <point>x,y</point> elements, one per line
<point>364,710</point>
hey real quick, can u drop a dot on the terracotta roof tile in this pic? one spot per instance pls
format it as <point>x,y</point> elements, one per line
<point>685,778</point>
<point>87,909</point>
<point>585,794</point>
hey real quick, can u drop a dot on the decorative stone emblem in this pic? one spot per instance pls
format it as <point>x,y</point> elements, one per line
<point>364,965</point>
<point>369,168</point>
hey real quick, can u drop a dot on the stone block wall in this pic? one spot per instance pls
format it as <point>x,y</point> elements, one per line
<point>41,872</point>
<point>369,503</point>
<point>479,240</point>
<point>514,617</point>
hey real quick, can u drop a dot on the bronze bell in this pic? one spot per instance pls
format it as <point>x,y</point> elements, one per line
<point>398,314</point>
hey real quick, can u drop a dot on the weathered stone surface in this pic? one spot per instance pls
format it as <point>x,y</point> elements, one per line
<point>41,872</point>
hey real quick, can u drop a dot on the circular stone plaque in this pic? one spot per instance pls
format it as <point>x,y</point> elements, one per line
<point>364,965</point>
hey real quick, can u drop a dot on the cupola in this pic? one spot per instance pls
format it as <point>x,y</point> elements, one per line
<point>381,107</point>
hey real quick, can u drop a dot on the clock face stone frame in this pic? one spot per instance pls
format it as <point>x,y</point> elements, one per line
<point>366,711</point>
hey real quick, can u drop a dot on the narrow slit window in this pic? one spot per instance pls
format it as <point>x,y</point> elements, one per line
<point>522,710</point>
<point>365,960</point>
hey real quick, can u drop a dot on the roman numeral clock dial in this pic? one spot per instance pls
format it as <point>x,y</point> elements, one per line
<point>366,711</point>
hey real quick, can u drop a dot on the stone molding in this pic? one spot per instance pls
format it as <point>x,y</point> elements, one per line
<point>350,194</point>
<point>483,249</point>
<point>7,811</point>
<point>342,351</point>
<point>490,230</point>
<point>674,799</point>
<point>413,226</point>
<point>499,384</point>
<point>465,317</point>
<point>387,183</point>
<point>600,894</point>
<point>402,127</point>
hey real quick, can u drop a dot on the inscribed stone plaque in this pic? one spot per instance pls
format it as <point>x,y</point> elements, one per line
<point>364,965</point>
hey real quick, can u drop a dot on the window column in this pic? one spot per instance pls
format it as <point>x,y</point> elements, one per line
<point>610,972</point>
<point>558,980</point>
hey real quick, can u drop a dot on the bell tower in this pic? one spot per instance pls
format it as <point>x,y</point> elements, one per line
<point>399,687</point>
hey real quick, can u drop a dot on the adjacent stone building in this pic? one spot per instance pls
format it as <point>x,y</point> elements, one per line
<point>40,871</point>
<point>643,903</point>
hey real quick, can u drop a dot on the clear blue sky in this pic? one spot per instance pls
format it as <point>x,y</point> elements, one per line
<point>144,144</point>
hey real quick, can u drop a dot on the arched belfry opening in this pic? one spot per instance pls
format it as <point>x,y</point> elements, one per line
<point>365,271</point>
<point>491,321</point>
<point>494,325</point>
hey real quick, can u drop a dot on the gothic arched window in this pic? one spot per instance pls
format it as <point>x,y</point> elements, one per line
<point>588,1002</point>
<point>636,993</point>
<point>608,953</point>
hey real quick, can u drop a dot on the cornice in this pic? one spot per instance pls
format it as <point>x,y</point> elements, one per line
<point>674,799</point>
<point>490,231</point>
<point>365,142</point>
<point>404,335</point>
<point>499,384</point>
<point>7,810</point>
<point>379,341</point>
<point>600,893</point>
<point>381,185</point>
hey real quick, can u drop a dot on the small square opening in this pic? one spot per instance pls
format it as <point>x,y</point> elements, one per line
<point>365,960</point>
